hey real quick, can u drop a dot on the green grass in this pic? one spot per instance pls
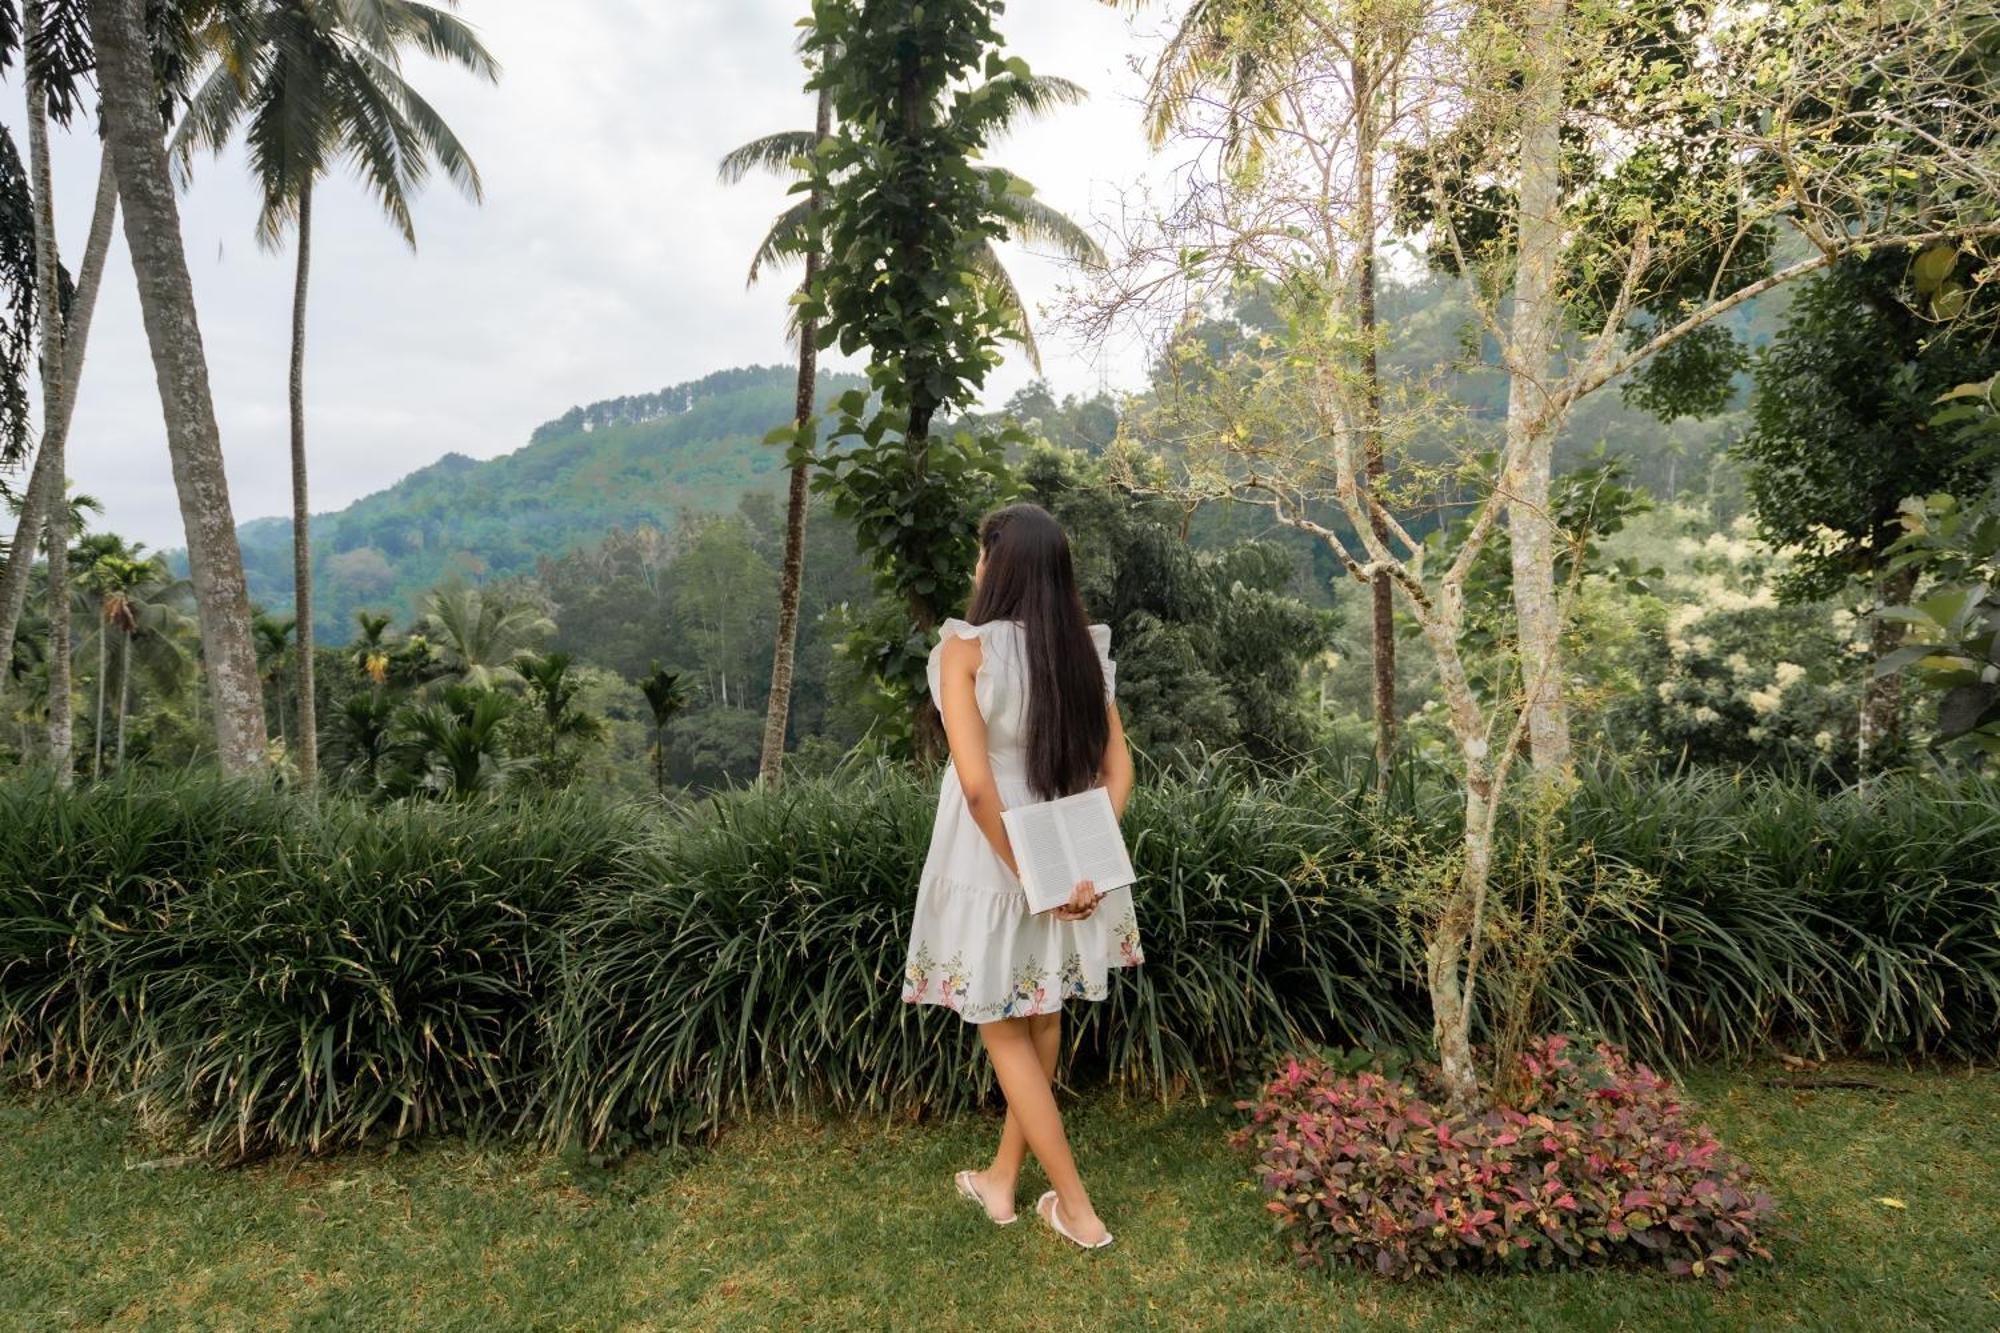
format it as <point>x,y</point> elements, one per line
<point>852,1224</point>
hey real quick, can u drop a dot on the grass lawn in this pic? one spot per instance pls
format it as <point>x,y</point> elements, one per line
<point>853,1225</point>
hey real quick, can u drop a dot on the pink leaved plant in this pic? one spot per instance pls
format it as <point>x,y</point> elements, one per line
<point>1597,1162</point>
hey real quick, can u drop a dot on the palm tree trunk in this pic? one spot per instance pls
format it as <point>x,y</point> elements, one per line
<point>124,694</point>
<point>1382,596</point>
<point>42,480</point>
<point>48,295</point>
<point>1531,422</point>
<point>97,727</point>
<point>308,723</point>
<point>777,712</point>
<point>166,298</point>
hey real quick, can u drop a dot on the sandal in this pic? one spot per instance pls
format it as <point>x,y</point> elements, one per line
<point>970,1191</point>
<point>1049,1216</point>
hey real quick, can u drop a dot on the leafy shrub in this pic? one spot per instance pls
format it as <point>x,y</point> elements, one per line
<point>289,976</point>
<point>1597,1162</point>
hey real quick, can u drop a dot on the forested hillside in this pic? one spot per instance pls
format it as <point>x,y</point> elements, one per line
<point>647,460</point>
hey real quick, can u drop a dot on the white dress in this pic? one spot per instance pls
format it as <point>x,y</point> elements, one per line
<point>974,946</point>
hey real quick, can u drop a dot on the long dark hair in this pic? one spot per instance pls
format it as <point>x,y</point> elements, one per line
<point>1030,578</point>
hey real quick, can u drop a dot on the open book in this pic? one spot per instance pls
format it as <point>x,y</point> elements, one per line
<point>1060,842</point>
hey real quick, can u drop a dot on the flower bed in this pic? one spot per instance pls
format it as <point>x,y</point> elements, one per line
<point>1599,1162</point>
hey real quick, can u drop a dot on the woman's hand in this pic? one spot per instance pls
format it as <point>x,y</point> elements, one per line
<point>1082,902</point>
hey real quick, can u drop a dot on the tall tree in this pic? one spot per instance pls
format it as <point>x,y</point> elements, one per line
<point>317,83</point>
<point>136,139</point>
<point>1841,434</point>
<point>792,236</point>
<point>1247,65</point>
<point>791,581</point>
<point>42,479</point>
<point>918,90</point>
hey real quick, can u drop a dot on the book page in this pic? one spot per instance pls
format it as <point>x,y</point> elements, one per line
<point>1095,841</point>
<point>1038,847</point>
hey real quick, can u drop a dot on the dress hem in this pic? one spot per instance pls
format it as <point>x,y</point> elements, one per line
<point>1055,1007</point>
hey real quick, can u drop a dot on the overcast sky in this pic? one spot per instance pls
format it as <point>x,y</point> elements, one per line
<point>606,259</point>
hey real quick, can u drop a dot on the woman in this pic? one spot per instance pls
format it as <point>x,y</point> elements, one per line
<point>1025,687</point>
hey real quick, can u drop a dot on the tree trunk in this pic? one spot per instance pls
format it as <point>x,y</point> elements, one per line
<point>97,727</point>
<point>1448,959</point>
<point>302,599</point>
<point>1881,724</point>
<point>778,709</point>
<point>55,498</point>
<point>166,298</point>
<point>1381,594</point>
<point>124,694</point>
<point>42,479</point>
<point>1531,424</point>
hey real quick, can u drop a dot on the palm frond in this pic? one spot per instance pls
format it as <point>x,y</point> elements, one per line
<point>775,153</point>
<point>1037,223</point>
<point>785,242</point>
<point>986,263</point>
<point>440,142</point>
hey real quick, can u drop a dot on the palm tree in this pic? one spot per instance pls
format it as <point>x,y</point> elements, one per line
<point>103,560</point>
<point>791,237</point>
<point>667,695</point>
<point>451,745</point>
<point>274,635</point>
<point>479,633</point>
<point>554,689</point>
<point>152,615</point>
<point>316,83</point>
<point>370,650</point>
<point>20,558</point>
<point>48,303</point>
<point>135,138</point>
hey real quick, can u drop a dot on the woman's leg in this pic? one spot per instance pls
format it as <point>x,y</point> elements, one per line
<point>999,1180</point>
<point>1010,1044</point>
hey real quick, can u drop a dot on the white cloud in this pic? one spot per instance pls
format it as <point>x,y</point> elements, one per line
<point>606,259</point>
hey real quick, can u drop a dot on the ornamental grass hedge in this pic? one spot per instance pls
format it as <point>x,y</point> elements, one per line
<point>280,976</point>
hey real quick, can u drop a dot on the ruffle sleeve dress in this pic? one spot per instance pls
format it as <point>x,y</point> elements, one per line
<point>974,946</point>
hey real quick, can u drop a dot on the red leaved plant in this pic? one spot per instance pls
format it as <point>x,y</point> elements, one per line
<point>1598,1162</point>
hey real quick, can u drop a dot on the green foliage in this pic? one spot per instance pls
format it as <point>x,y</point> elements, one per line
<point>1955,548</point>
<point>292,978</point>
<point>1211,644</point>
<point>905,234</point>
<point>644,462</point>
<point>1840,429</point>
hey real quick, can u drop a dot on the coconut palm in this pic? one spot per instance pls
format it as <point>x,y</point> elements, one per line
<point>479,634</point>
<point>101,560</point>
<point>140,603</point>
<point>128,80</point>
<point>315,83</point>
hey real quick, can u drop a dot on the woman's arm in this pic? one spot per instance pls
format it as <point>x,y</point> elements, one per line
<point>1115,773</point>
<point>965,733</point>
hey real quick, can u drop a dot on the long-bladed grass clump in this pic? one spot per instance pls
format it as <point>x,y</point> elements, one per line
<point>289,976</point>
